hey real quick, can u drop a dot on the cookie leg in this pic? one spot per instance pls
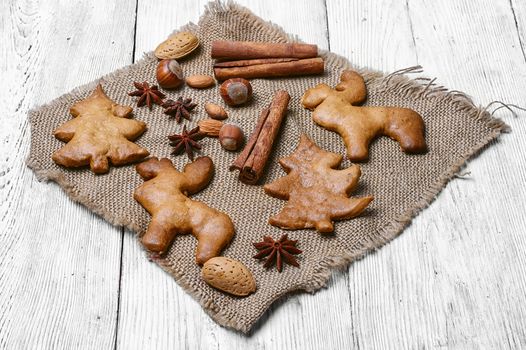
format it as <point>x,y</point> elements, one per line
<point>213,229</point>
<point>160,233</point>
<point>357,147</point>
<point>407,127</point>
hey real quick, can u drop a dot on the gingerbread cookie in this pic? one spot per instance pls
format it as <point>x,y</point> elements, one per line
<point>317,193</point>
<point>336,110</point>
<point>99,134</point>
<point>164,196</point>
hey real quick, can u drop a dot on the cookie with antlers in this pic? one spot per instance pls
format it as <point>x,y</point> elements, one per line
<point>317,192</point>
<point>99,134</point>
<point>164,194</point>
<point>336,110</point>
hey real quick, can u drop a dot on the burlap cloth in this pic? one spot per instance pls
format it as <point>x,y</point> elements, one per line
<point>401,184</point>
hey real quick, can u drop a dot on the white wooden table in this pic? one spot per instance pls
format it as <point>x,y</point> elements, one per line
<point>455,278</point>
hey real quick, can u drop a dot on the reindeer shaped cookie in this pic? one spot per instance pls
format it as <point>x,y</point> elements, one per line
<point>164,196</point>
<point>99,133</point>
<point>336,110</point>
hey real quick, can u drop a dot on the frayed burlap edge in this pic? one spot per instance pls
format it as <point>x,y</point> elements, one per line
<point>396,81</point>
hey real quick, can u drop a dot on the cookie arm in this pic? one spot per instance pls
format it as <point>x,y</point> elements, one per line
<point>66,131</point>
<point>129,128</point>
<point>279,188</point>
<point>347,208</point>
<point>345,180</point>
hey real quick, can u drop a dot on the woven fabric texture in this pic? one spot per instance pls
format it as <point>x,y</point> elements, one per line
<point>401,184</point>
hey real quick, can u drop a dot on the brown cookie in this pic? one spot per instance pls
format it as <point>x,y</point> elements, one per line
<point>317,193</point>
<point>335,110</point>
<point>99,134</point>
<point>164,196</point>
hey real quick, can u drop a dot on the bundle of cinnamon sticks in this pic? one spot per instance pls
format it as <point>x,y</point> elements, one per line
<point>252,160</point>
<point>245,59</point>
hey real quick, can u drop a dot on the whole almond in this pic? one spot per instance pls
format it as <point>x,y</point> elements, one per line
<point>210,127</point>
<point>228,275</point>
<point>177,46</point>
<point>200,81</point>
<point>215,111</point>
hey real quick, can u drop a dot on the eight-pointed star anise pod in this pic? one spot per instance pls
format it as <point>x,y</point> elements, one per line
<point>186,141</point>
<point>148,94</point>
<point>179,109</point>
<point>277,251</point>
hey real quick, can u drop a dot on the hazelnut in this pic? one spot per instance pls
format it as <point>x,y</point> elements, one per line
<point>215,111</point>
<point>231,137</point>
<point>169,74</point>
<point>236,91</point>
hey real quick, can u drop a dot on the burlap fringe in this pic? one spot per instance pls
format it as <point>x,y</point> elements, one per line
<point>396,82</point>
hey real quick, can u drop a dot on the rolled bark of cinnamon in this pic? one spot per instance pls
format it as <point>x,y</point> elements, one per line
<point>244,63</point>
<point>240,50</point>
<point>268,68</point>
<point>252,160</point>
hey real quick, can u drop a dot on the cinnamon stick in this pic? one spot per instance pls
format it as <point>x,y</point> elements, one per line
<point>270,70</point>
<point>240,50</point>
<point>252,160</point>
<point>244,63</point>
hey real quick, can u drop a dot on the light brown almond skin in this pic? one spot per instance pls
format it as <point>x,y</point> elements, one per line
<point>200,81</point>
<point>228,275</point>
<point>215,111</point>
<point>177,46</point>
<point>210,127</point>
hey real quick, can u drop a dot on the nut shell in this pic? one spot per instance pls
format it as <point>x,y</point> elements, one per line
<point>215,111</point>
<point>177,46</point>
<point>231,137</point>
<point>200,81</point>
<point>169,74</point>
<point>236,91</point>
<point>228,275</point>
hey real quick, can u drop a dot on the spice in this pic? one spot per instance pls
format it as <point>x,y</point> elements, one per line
<point>148,94</point>
<point>268,68</point>
<point>179,109</point>
<point>277,251</point>
<point>252,160</point>
<point>186,141</point>
<point>241,50</point>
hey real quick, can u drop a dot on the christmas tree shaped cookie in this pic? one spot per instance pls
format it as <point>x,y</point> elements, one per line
<point>98,134</point>
<point>317,193</point>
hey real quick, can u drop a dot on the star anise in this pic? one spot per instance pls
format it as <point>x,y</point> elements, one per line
<point>148,94</point>
<point>179,109</point>
<point>186,141</point>
<point>277,251</point>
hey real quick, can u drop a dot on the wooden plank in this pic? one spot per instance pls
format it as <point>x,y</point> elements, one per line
<point>59,264</point>
<point>375,34</point>
<point>455,278</point>
<point>169,318</point>
<point>518,10</point>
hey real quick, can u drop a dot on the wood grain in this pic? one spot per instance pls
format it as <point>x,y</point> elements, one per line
<point>59,264</point>
<point>170,317</point>
<point>447,281</point>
